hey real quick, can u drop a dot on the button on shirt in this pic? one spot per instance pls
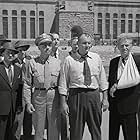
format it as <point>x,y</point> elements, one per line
<point>71,74</point>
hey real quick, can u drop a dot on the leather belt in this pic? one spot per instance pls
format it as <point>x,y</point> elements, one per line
<point>51,88</point>
<point>40,88</point>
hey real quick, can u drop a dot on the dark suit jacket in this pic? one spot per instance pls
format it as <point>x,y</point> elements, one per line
<point>125,100</point>
<point>9,94</point>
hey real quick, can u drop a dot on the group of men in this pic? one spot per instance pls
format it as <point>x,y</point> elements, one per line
<point>62,97</point>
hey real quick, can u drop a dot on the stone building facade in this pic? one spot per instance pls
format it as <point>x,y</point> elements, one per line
<point>26,19</point>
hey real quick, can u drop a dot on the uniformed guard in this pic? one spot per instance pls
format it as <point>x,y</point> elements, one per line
<point>44,72</point>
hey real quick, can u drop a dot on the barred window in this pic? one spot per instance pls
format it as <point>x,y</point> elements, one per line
<point>4,12</point>
<point>23,13</point>
<point>115,15</point>
<point>14,12</point>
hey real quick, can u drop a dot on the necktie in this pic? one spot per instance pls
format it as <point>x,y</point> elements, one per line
<point>10,76</point>
<point>124,61</point>
<point>47,75</point>
<point>87,73</point>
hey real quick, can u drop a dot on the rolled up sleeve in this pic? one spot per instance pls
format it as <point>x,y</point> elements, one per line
<point>64,78</point>
<point>103,83</point>
<point>27,86</point>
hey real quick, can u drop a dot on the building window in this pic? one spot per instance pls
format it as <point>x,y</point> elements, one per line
<point>5,26</point>
<point>122,26</point>
<point>107,15</point>
<point>130,26</point>
<point>122,15</point>
<point>41,22</point>
<point>123,23</point>
<point>115,15</point>
<point>14,27</point>
<point>32,24</point>
<point>23,13</point>
<point>14,24</point>
<point>138,23</point>
<point>32,13</point>
<point>130,23</point>
<point>5,22</point>
<point>107,26</point>
<point>32,27</point>
<point>4,12</point>
<point>23,24</point>
<point>14,12</point>
<point>99,15</point>
<point>130,16</point>
<point>41,13</point>
<point>115,25</point>
<point>100,24</point>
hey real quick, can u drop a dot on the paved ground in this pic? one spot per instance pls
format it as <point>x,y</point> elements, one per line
<point>104,129</point>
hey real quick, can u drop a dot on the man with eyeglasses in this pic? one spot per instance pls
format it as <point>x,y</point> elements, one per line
<point>43,72</point>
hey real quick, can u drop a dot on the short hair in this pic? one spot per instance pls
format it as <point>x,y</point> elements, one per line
<point>86,34</point>
<point>77,30</point>
<point>122,39</point>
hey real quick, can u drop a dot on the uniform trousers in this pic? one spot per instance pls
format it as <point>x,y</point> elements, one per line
<point>84,107</point>
<point>128,123</point>
<point>25,119</point>
<point>46,102</point>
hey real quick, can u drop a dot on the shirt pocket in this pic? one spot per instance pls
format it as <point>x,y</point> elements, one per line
<point>38,77</point>
<point>54,78</point>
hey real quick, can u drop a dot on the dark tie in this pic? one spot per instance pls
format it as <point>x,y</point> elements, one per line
<point>87,73</point>
<point>123,60</point>
<point>10,76</point>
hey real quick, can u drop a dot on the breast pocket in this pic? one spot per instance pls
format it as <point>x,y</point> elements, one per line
<point>54,78</point>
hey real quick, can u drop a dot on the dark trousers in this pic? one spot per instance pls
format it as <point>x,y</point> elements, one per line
<point>139,120</point>
<point>128,123</point>
<point>27,124</point>
<point>6,127</point>
<point>84,106</point>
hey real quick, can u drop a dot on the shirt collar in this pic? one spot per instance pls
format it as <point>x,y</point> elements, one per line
<point>6,65</point>
<point>85,56</point>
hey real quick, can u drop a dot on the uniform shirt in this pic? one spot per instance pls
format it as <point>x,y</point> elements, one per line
<point>71,74</point>
<point>35,75</point>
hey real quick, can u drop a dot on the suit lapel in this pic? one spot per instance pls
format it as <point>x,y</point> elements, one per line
<point>3,73</point>
<point>16,73</point>
<point>116,67</point>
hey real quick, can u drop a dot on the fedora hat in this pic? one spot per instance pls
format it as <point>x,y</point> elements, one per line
<point>8,46</point>
<point>20,44</point>
<point>3,39</point>
<point>43,38</point>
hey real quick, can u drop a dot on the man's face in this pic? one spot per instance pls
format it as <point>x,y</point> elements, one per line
<point>8,55</point>
<point>21,54</point>
<point>84,44</point>
<point>55,42</point>
<point>125,47</point>
<point>74,44</point>
<point>45,48</point>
